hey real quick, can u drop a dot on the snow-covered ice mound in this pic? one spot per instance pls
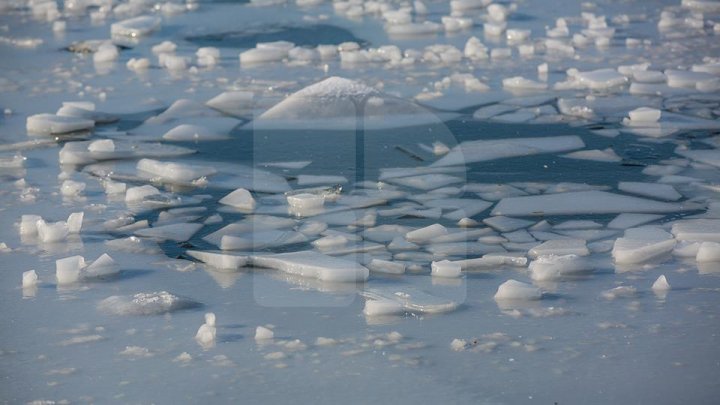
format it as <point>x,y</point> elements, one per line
<point>338,103</point>
<point>145,304</point>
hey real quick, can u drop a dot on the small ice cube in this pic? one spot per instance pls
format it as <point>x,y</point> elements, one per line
<point>263,333</point>
<point>54,232</point>
<point>72,188</point>
<point>382,307</point>
<point>446,268</point>
<point>29,279</point>
<point>708,252</point>
<point>207,332</point>
<point>67,270</point>
<point>140,193</point>
<point>516,290</point>
<point>661,284</point>
<point>645,114</point>
<point>241,199</point>
<point>74,222</point>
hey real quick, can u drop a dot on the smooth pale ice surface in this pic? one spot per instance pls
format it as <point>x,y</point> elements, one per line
<point>567,153</point>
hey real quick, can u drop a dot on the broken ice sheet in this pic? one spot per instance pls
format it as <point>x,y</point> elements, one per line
<point>383,301</point>
<point>485,150</point>
<point>313,265</point>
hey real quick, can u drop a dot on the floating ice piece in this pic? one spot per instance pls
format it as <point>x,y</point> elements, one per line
<point>481,151</point>
<point>263,333</point>
<point>261,240</point>
<point>577,224</point>
<point>386,266</point>
<point>106,53</point>
<point>139,193</point>
<point>135,27</point>
<point>80,153</point>
<point>684,78</point>
<point>189,132</point>
<point>426,234</point>
<point>620,292</point>
<point>600,79</point>
<point>335,103</point>
<point>645,114</point>
<point>67,270</point>
<point>558,267</point>
<point>220,260</point>
<point>627,220</point>
<point>659,191</point>
<point>517,290</point>
<point>606,155</point>
<point>138,64</point>
<point>207,332</point>
<point>583,202</point>
<point>640,245</point>
<point>46,124</point>
<point>29,279</point>
<point>661,284</point>
<point>445,268</point>
<point>707,230</point>
<point>241,199</point>
<point>53,232</point>
<point>521,83</point>
<point>257,56</point>
<point>172,172</point>
<point>135,245</point>
<point>70,188</point>
<point>398,300</point>
<point>708,156</point>
<point>102,266</point>
<point>164,47</point>
<point>176,232</point>
<point>426,181</point>
<point>305,204</point>
<point>154,303</point>
<point>560,247</point>
<point>235,103</point>
<point>314,265</point>
<point>708,252</point>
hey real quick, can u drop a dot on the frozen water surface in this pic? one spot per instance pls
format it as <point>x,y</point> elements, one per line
<point>364,201</point>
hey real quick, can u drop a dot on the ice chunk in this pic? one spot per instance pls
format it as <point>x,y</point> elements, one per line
<point>642,244</point>
<point>53,232</point>
<point>207,332</point>
<point>241,199</point>
<point>47,124</point>
<point>397,300</point>
<point>70,188</point>
<point>257,56</point>
<point>386,266</point>
<point>102,266</point>
<point>625,220</point>
<point>106,53</point>
<point>314,265</point>
<point>697,230</point>
<point>67,270</point>
<point>29,279</point>
<point>661,284</point>
<point>190,132</point>
<point>517,290</point>
<point>560,247</point>
<point>521,83</point>
<point>486,150</point>
<point>304,204</point>
<point>620,292</point>
<point>654,190</point>
<point>28,225</point>
<point>558,267</point>
<point>172,172</point>
<point>261,240</point>
<point>645,114</point>
<point>445,268</point>
<point>335,103</point>
<point>583,202</point>
<point>708,252</point>
<point>600,79</point>
<point>426,234</point>
<point>263,333</point>
<point>135,27</point>
<point>232,102</point>
<point>219,260</point>
<point>145,304</point>
<point>180,232</point>
<point>139,193</point>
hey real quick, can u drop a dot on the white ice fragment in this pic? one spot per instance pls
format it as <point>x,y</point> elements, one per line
<point>620,292</point>
<point>641,245</point>
<point>558,267</point>
<point>106,53</point>
<point>29,279</point>
<point>70,188</point>
<point>521,83</point>
<point>391,300</point>
<point>486,150</point>
<point>661,284</point>
<point>386,266</point>
<point>135,27</point>
<point>164,47</point>
<point>67,270</point>
<point>628,220</point>
<point>600,79</point>
<point>659,191</point>
<point>144,304</point>
<point>560,247</point>
<point>314,265</point>
<point>207,332</point>
<point>263,333</point>
<point>445,268</point>
<point>28,225</point>
<point>179,232</point>
<point>583,202</point>
<point>53,232</point>
<point>138,64</point>
<point>382,308</point>
<point>172,172</point>
<point>102,266</point>
<point>257,56</point>
<point>517,290</point>
<point>102,145</point>
<point>708,252</point>
<point>232,102</point>
<point>304,204</point>
<point>475,49</point>
<point>139,193</point>
<point>74,222</point>
<point>46,124</point>
<point>208,56</point>
<point>426,234</point>
<point>645,114</point>
<point>458,345</point>
<point>606,155</point>
<point>707,230</point>
<point>114,187</point>
<point>240,199</point>
<point>222,261</point>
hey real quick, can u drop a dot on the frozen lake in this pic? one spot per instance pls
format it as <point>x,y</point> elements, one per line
<point>359,201</point>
